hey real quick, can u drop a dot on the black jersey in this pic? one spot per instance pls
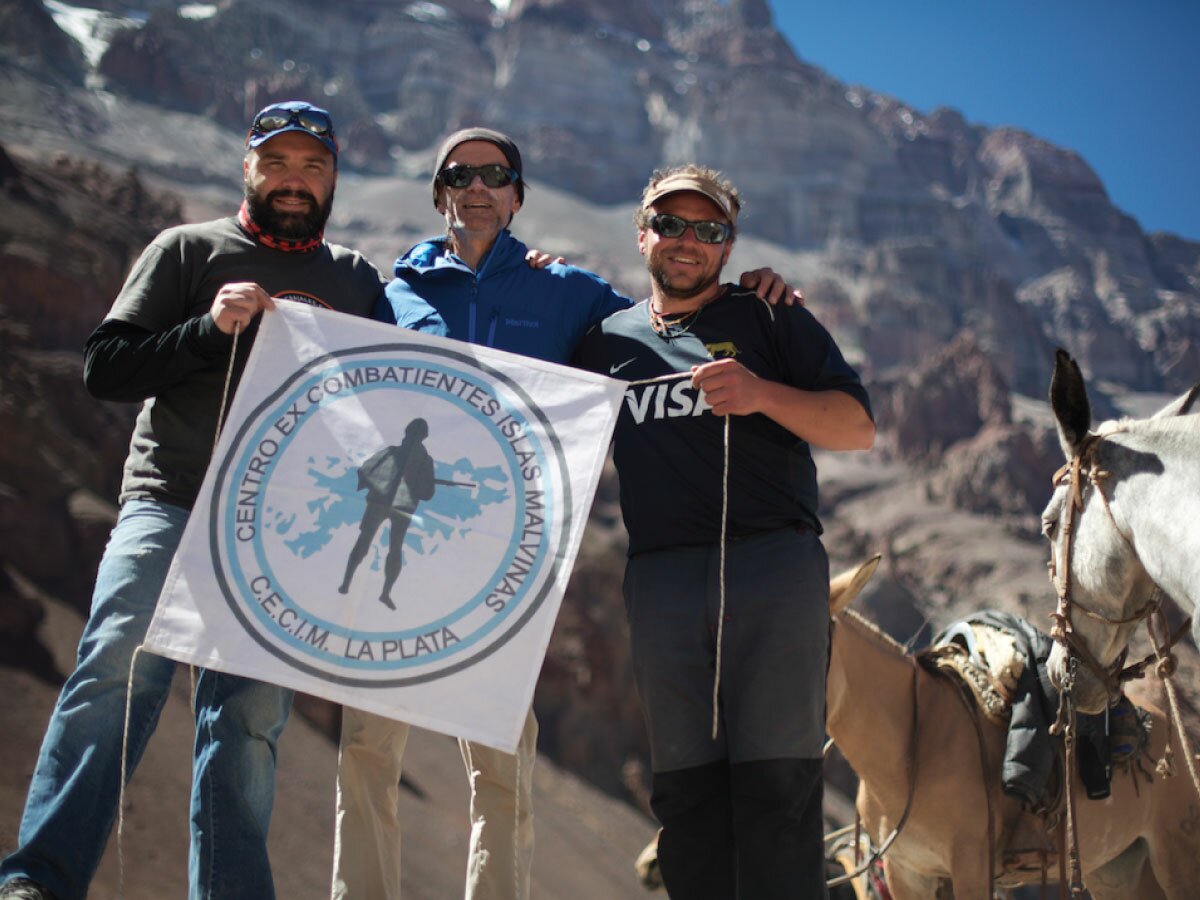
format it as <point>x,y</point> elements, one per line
<point>670,447</point>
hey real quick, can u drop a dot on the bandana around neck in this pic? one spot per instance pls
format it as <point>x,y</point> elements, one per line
<point>267,240</point>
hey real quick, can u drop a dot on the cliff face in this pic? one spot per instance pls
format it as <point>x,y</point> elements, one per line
<point>70,232</point>
<point>29,37</point>
<point>931,224</point>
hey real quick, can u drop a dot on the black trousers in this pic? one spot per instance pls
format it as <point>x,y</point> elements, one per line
<point>746,831</point>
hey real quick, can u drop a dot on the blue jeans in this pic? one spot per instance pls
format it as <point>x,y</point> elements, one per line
<point>72,800</point>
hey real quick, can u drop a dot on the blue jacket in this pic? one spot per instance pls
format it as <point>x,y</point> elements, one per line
<point>541,313</point>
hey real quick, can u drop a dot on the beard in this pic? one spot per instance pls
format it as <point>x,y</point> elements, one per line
<point>682,289</point>
<point>286,225</point>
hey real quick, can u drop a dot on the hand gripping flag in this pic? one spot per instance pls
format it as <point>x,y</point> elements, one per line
<point>389,521</point>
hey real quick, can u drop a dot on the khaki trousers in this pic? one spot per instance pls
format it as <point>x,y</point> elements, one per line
<point>366,852</point>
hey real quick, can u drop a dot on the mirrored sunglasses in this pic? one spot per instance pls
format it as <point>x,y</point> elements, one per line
<point>670,226</point>
<point>274,117</point>
<point>493,176</point>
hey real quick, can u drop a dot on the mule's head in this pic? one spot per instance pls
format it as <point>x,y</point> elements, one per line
<point>1090,560</point>
<point>1107,584</point>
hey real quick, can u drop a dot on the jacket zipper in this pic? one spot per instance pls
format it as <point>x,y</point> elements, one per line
<point>491,338</point>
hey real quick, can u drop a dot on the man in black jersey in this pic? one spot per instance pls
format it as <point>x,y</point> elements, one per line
<point>727,582</point>
<point>166,343</point>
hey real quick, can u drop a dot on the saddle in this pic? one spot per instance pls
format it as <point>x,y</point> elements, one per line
<point>989,655</point>
<point>986,660</point>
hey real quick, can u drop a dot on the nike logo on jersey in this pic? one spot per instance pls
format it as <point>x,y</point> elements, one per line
<point>613,370</point>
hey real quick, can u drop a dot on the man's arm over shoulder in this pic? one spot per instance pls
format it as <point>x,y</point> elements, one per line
<point>586,299</point>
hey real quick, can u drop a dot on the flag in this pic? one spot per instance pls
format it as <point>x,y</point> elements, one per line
<point>389,521</point>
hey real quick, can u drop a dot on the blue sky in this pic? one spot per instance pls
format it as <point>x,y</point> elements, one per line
<point>1117,81</point>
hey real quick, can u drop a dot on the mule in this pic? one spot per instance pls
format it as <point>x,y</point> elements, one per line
<point>906,731</point>
<point>1135,484</point>
<point>1141,843</point>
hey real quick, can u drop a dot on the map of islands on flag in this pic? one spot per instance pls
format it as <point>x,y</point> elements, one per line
<point>389,521</point>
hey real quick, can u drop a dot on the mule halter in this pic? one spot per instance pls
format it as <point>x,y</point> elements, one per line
<point>1085,466</point>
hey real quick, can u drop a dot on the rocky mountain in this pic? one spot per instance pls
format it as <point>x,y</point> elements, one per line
<point>924,224</point>
<point>949,260</point>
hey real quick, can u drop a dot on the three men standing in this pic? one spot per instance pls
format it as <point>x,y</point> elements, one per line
<point>740,812</point>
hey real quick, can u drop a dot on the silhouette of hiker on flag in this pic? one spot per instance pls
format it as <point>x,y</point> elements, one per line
<point>396,479</point>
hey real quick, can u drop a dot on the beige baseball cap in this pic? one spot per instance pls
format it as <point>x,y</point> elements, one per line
<point>691,181</point>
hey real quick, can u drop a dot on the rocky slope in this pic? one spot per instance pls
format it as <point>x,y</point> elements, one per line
<point>586,841</point>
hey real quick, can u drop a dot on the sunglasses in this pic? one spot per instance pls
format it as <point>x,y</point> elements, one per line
<point>493,176</point>
<point>313,121</point>
<point>670,226</point>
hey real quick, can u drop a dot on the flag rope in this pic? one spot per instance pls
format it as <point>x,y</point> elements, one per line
<point>716,693</point>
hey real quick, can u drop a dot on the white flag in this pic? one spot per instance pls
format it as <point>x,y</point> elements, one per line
<point>389,521</point>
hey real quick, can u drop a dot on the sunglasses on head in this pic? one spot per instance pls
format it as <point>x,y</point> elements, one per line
<point>670,226</point>
<point>493,176</point>
<point>275,117</point>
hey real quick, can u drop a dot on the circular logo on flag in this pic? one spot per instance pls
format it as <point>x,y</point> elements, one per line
<point>390,515</point>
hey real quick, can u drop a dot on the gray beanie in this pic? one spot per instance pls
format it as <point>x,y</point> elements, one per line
<point>503,141</point>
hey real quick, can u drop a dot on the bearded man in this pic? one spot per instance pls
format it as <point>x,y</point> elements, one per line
<point>727,581</point>
<point>166,343</point>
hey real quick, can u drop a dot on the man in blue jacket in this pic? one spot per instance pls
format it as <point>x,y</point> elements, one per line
<point>477,278</point>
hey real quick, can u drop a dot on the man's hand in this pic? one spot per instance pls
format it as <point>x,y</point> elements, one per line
<point>830,419</point>
<point>729,387</point>
<point>770,286</point>
<point>236,305</point>
<point>536,259</point>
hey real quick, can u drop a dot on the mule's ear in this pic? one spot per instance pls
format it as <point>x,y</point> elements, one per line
<point>845,587</point>
<point>1068,399</point>
<point>1180,406</point>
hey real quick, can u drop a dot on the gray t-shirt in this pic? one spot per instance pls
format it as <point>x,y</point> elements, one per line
<point>175,280</point>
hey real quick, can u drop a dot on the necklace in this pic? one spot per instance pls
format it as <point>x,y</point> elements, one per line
<point>673,327</point>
